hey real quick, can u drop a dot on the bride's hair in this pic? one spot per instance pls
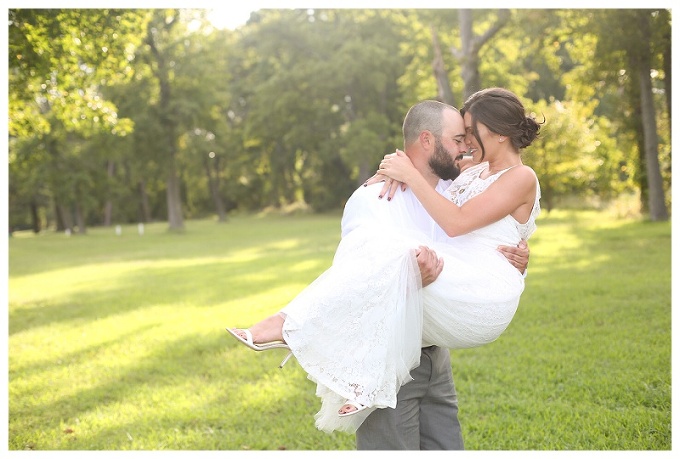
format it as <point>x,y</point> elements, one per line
<point>501,112</point>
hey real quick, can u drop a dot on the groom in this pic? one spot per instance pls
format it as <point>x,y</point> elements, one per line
<point>426,414</point>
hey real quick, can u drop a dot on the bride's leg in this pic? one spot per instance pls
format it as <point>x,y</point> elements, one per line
<point>267,330</point>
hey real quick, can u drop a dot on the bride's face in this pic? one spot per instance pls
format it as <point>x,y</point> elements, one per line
<point>475,148</point>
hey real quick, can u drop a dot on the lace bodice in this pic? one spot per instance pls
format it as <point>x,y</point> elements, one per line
<point>469,184</point>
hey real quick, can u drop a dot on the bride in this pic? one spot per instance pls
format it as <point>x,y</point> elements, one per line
<point>358,329</point>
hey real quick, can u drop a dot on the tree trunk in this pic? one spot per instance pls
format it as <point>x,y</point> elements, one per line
<point>80,219</point>
<point>667,66</point>
<point>471,44</point>
<point>444,92</point>
<point>144,208</point>
<point>214,188</point>
<point>108,206</point>
<point>467,56</point>
<point>641,176</point>
<point>35,217</point>
<point>64,219</point>
<point>173,194</point>
<point>59,218</point>
<point>168,124</point>
<point>108,211</point>
<point>657,199</point>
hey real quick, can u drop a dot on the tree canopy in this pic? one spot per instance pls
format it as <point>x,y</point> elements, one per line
<point>119,116</point>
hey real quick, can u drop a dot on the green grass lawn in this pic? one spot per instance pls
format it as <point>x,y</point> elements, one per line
<point>118,342</point>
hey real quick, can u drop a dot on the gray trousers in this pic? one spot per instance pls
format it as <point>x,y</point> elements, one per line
<point>426,416</point>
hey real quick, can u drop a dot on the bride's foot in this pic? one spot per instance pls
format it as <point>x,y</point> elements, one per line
<point>350,408</point>
<point>266,331</point>
<point>266,334</point>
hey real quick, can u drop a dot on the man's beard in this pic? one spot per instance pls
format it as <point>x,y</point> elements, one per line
<point>442,163</point>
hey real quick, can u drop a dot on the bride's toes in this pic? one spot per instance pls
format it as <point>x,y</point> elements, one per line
<point>240,333</point>
<point>350,408</point>
<point>346,409</point>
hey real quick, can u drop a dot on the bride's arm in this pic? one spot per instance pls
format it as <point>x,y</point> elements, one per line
<point>502,198</point>
<point>391,186</point>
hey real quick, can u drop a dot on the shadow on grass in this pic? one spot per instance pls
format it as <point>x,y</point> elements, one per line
<point>173,412</point>
<point>205,239</point>
<point>238,390</point>
<point>204,284</point>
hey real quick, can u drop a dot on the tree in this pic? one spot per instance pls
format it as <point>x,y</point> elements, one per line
<point>640,60</point>
<point>59,60</point>
<point>469,54</point>
<point>162,45</point>
<point>123,116</point>
<point>303,109</point>
<point>471,45</point>
<point>574,155</point>
<point>624,59</point>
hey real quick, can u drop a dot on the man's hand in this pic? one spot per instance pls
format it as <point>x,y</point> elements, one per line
<point>517,256</point>
<point>430,265</point>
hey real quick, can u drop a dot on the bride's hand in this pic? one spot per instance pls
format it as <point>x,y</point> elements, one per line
<point>390,187</point>
<point>397,166</point>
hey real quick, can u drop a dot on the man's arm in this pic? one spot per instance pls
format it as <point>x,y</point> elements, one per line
<point>517,256</point>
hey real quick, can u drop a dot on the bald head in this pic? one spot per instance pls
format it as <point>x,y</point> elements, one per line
<point>427,115</point>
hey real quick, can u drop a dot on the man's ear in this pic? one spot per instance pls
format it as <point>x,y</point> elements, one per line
<point>426,140</point>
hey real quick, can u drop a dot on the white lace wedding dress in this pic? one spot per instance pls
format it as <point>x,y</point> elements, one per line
<point>358,329</point>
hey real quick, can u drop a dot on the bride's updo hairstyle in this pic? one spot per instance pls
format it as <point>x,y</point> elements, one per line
<point>502,113</point>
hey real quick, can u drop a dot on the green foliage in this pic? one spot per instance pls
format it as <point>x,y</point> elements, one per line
<point>303,103</point>
<point>59,62</point>
<point>363,142</point>
<point>575,155</point>
<point>59,58</point>
<point>123,345</point>
<point>618,53</point>
<point>299,105</point>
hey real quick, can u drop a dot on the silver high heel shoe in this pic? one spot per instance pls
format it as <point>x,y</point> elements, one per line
<point>290,354</point>
<point>248,341</point>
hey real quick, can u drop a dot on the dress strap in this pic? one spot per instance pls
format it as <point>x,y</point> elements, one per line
<point>506,169</point>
